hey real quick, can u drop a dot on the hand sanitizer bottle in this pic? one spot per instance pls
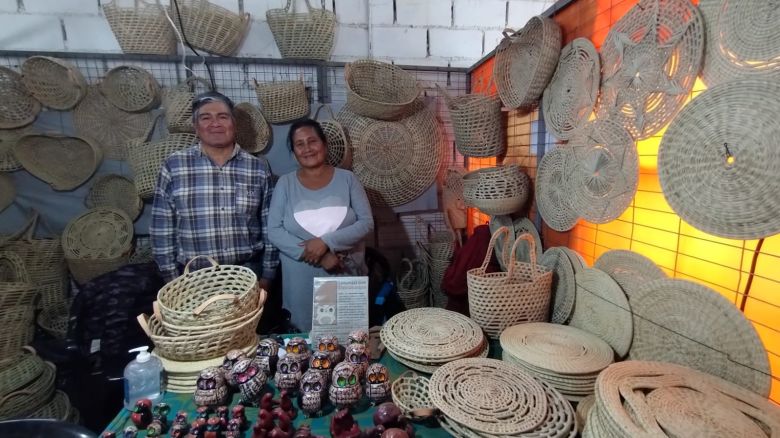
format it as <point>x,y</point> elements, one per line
<point>143,378</point>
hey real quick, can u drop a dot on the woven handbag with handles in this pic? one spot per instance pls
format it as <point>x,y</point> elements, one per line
<point>211,27</point>
<point>413,284</point>
<point>305,35</point>
<point>141,28</point>
<point>283,101</point>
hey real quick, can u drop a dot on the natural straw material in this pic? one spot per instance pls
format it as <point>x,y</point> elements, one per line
<point>564,286</point>
<point>177,103</point>
<point>56,83</point>
<point>339,149</point>
<point>18,107</point>
<point>16,287</point>
<point>305,34</point>
<point>379,90</point>
<point>583,408</point>
<point>141,28</point>
<point>30,397</point>
<point>7,191</point>
<point>521,225</point>
<point>283,101</point>
<point>63,162</point>
<point>252,130</point>
<point>553,192</point>
<point>146,159</point>
<point>718,167</point>
<point>496,190</point>
<point>19,369</point>
<point>413,283</point>
<point>8,138</point>
<point>476,120</point>
<point>210,27</point>
<point>115,191</point>
<point>131,89</point>
<point>630,270</point>
<point>526,60</point>
<point>96,242</point>
<point>571,94</point>
<point>430,368</point>
<point>58,408</point>
<point>410,394</point>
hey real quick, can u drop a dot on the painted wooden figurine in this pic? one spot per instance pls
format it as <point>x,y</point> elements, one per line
<point>267,356</point>
<point>231,357</point>
<point>321,363</point>
<point>377,383</point>
<point>330,344</point>
<point>179,430</point>
<point>197,429</point>
<point>213,428</point>
<point>298,349</point>
<point>288,373</point>
<point>160,416</point>
<point>358,355</point>
<point>223,413</point>
<point>358,336</point>
<point>345,389</point>
<point>314,390</point>
<point>234,429</point>
<point>211,388</point>
<point>142,413</point>
<point>239,414</point>
<point>250,379</point>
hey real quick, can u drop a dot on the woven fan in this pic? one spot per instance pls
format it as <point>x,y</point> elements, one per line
<point>17,107</point>
<point>63,162</point>
<point>650,60</point>
<point>252,131</point>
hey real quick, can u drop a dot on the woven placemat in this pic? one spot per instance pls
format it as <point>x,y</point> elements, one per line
<point>603,172</point>
<point>577,261</point>
<point>718,167</point>
<point>602,308</point>
<point>686,323</point>
<point>7,191</point>
<point>650,60</point>
<point>489,396</point>
<point>98,233</point>
<point>553,193</point>
<point>253,133</point>
<point>570,96</point>
<point>116,191</point>
<point>482,352</point>
<point>18,107</point>
<point>629,269</point>
<point>743,41</point>
<point>564,287</point>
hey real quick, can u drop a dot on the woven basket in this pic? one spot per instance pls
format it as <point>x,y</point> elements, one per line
<point>177,103</point>
<point>413,283</point>
<point>502,299</point>
<point>31,397</point>
<point>525,62</point>
<point>305,35</point>
<point>146,159</point>
<point>54,322</point>
<point>56,83</point>
<point>18,328</point>
<point>115,191</point>
<point>339,149</point>
<point>96,242</point>
<point>379,90</point>
<point>283,101</point>
<point>211,27</point>
<point>63,162</point>
<point>410,394</point>
<point>255,301</point>
<point>7,191</point>
<point>496,190</point>
<point>476,119</point>
<point>8,138</point>
<point>16,287</point>
<point>58,408</point>
<point>142,28</point>
<point>131,89</point>
<point>252,130</point>
<point>18,107</point>
<point>18,369</point>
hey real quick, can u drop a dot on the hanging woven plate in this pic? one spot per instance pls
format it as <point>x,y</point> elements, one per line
<point>339,149</point>
<point>718,167</point>
<point>553,192</point>
<point>603,172</point>
<point>649,61</point>
<point>94,113</point>
<point>7,191</point>
<point>63,162</point>
<point>252,130</point>
<point>131,89</point>
<point>743,40</point>
<point>571,94</point>
<point>395,161</point>
<point>56,83</point>
<point>98,233</point>
<point>564,286</point>
<point>115,191</point>
<point>8,138</point>
<point>686,323</point>
<point>17,107</point>
<point>630,270</point>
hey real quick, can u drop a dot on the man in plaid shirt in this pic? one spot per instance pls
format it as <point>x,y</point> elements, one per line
<point>212,199</point>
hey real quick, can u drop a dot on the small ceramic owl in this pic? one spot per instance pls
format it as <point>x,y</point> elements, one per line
<point>250,380</point>
<point>288,374</point>
<point>298,349</point>
<point>320,363</point>
<point>313,392</point>
<point>358,336</point>
<point>357,355</point>
<point>231,358</point>
<point>211,388</point>
<point>377,383</point>
<point>345,388</point>
<point>330,344</point>
<point>267,356</point>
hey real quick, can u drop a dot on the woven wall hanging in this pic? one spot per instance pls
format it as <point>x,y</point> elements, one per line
<point>339,149</point>
<point>630,270</point>
<point>115,191</point>
<point>131,89</point>
<point>141,28</point>
<point>63,162</point>
<point>96,242</point>
<point>146,159</point>
<point>282,101</point>
<point>553,193</point>
<point>8,138</point>
<point>476,120</point>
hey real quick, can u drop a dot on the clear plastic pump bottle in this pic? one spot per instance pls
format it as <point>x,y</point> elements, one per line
<point>143,378</point>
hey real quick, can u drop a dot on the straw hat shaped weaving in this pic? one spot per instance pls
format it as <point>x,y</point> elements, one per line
<point>630,270</point>
<point>7,191</point>
<point>650,60</point>
<point>743,40</point>
<point>553,195</point>
<point>571,94</point>
<point>718,167</point>
<point>17,107</point>
<point>603,172</point>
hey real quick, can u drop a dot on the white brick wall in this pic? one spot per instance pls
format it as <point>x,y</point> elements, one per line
<point>31,32</point>
<point>351,42</point>
<point>480,13</point>
<point>424,12</point>
<point>259,42</point>
<point>392,42</point>
<point>81,31</point>
<point>492,38</point>
<point>258,8</point>
<point>352,11</point>
<point>456,43</point>
<point>381,11</point>
<point>61,6</point>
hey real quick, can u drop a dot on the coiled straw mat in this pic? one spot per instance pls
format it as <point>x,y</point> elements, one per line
<point>7,191</point>
<point>743,40</point>
<point>689,324</point>
<point>141,28</point>
<point>339,149</point>
<point>630,270</point>
<point>553,193</point>
<point>56,83</point>
<point>17,107</point>
<point>395,161</point>
<point>115,191</point>
<point>650,60</point>
<point>718,167</point>
<point>252,130</point>
<point>63,162</point>
<point>603,172</point>
<point>8,138</point>
<point>571,94</point>
<point>131,89</point>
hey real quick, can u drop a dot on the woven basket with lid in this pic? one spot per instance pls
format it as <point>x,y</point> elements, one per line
<point>131,89</point>
<point>54,82</point>
<point>61,161</point>
<point>379,90</point>
<point>210,27</point>
<point>97,241</point>
<point>18,107</point>
<point>305,34</point>
<point>141,28</point>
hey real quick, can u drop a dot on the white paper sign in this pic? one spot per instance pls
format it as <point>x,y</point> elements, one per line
<point>340,305</point>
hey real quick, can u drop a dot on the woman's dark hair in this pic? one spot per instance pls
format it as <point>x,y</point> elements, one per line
<point>302,124</point>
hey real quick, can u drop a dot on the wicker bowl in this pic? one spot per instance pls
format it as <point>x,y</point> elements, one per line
<point>496,190</point>
<point>283,101</point>
<point>410,394</point>
<point>379,90</point>
<point>252,130</point>
<point>146,159</point>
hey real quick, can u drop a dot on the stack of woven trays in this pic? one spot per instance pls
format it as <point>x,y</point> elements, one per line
<point>428,337</point>
<point>27,386</point>
<point>637,398</point>
<point>182,376</point>
<point>481,397</point>
<point>566,358</point>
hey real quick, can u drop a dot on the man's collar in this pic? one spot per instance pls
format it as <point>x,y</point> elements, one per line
<point>236,151</point>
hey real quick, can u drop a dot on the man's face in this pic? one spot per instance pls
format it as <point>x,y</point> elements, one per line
<point>214,125</point>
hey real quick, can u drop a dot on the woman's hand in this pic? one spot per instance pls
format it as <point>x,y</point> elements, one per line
<point>313,250</point>
<point>331,263</point>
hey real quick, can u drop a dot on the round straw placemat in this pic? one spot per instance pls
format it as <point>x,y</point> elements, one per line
<point>430,368</point>
<point>8,138</point>
<point>7,191</point>
<point>686,323</point>
<point>131,89</point>
<point>718,167</point>
<point>553,193</point>
<point>54,82</point>
<point>489,396</point>
<point>18,107</point>
<point>63,162</point>
<point>115,191</point>
<point>603,172</point>
<point>629,269</point>
<point>650,60</point>
<point>743,40</point>
<point>571,94</point>
<point>602,308</point>
<point>253,133</point>
<point>564,286</point>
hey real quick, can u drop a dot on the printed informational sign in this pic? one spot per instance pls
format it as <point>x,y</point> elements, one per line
<point>340,305</point>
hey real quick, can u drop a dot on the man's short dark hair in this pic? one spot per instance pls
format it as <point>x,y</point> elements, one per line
<point>208,97</point>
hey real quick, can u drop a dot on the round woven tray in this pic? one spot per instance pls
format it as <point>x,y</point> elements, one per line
<point>686,323</point>
<point>553,193</point>
<point>63,162</point>
<point>630,270</point>
<point>603,172</point>
<point>141,28</point>
<point>498,190</point>
<point>146,159</point>
<point>131,89</point>
<point>583,409</point>
<point>577,261</point>
<point>18,107</point>
<point>431,368</point>
<point>571,94</point>
<point>564,287</point>
<point>601,308</point>
<point>305,34</point>
<point>489,396</point>
<point>253,133</point>
<point>115,191</point>
<point>339,149</point>
<point>380,90</point>
<point>742,41</point>
<point>7,191</point>
<point>282,101</point>
<point>97,241</point>
<point>395,161</point>
<point>650,60</point>
<point>54,82</point>
<point>718,167</point>
<point>8,138</point>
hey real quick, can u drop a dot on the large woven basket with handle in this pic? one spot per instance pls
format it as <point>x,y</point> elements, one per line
<point>305,34</point>
<point>141,28</point>
<point>210,27</point>
<point>283,101</point>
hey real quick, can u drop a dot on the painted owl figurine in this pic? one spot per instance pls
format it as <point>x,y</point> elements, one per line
<point>357,355</point>
<point>345,389</point>
<point>288,374</point>
<point>313,392</point>
<point>231,358</point>
<point>377,383</point>
<point>358,336</point>
<point>298,349</point>
<point>320,363</point>
<point>330,344</point>
<point>267,356</point>
<point>250,379</point>
<point>211,388</point>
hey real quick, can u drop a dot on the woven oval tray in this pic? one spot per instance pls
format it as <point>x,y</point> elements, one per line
<point>63,162</point>
<point>629,269</point>
<point>564,287</point>
<point>553,192</point>
<point>428,368</point>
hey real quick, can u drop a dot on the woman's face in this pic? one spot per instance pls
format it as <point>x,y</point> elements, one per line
<point>309,149</point>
